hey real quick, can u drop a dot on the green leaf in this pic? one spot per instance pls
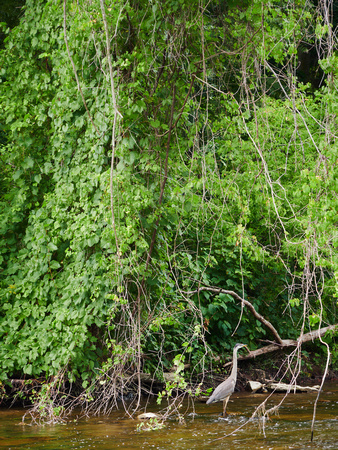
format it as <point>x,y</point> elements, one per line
<point>54,264</point>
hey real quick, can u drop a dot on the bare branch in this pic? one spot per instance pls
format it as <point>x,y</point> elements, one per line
<point>116,113</point>
<point>317,334</point>
<point>246,303</point>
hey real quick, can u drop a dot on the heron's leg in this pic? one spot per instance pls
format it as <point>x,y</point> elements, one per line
<point>225,402</point>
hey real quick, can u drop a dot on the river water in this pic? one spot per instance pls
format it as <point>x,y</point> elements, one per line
<point>202,429</point>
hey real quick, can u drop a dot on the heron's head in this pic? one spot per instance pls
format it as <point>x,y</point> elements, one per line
<point>238,346</point>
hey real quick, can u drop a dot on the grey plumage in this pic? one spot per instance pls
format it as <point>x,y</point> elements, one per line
<point>223,392</point>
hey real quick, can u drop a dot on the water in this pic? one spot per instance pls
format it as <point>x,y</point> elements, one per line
<point>204,429</point>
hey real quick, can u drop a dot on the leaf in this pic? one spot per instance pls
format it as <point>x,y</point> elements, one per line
<point>54,264</point>
<point>28,163</point>
<point>28,369</point>
<point>52,247</point>
<point>187,206</point>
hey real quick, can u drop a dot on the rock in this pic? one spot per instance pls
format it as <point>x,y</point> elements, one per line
<point>202,398</point>
<point>147,416</point>
<point>255,386</point>
<point>170,376</point>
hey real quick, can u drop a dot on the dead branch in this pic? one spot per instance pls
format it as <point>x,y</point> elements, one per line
<point>116,113</point>
<point>281,343</point>
<point>256,314</point>
<point>288,343</point>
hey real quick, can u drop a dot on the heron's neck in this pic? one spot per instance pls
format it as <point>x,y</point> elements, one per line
<point>234,365</point>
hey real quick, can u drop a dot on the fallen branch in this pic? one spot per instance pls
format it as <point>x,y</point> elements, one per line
<point>284,387</point>
<point>280,343</point>
<point>311,336</point>
<point>255,386</point>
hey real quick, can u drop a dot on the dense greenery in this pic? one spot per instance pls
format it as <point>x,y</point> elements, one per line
<point>198,150</point>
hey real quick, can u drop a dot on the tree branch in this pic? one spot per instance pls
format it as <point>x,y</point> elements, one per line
<point>116,113</point>
<point>289,342</point>
<point>256,314</point>
<point>281,343</point>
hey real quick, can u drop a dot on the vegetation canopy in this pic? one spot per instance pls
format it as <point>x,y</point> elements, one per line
<point>168,188</point>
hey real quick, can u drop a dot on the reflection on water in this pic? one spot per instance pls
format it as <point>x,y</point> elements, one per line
<point>290,429</point>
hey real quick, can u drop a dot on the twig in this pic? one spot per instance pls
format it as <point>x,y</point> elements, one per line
<point>153,238</point>
<point>116,112</point>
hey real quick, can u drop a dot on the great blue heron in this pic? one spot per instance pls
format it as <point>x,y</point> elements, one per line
<point>224,390</point>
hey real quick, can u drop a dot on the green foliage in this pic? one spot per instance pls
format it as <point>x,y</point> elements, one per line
<point>215,171</point>
<point>10,12</point>
<point>177,381</point>
<point>152,425</point>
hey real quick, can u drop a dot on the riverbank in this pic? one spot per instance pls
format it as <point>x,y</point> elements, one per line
<point>22,391</point>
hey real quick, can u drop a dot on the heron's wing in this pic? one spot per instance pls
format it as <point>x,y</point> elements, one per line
<point>222,391</point>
